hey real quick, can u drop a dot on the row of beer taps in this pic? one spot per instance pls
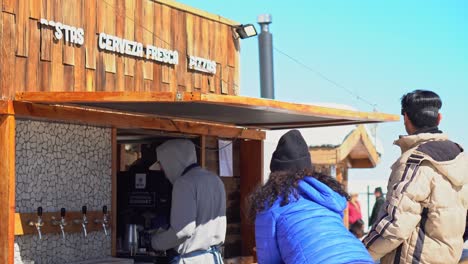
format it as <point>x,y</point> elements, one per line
<point>83,221</point>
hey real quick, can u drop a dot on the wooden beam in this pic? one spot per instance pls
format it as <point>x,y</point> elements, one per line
<point>22,227</point>
<point>323,156</point>
<point>361,164</point>
<point>7,188</point>
<point>3,107</point>
<point>94,97</point>
<point>294,107</point>
<point>323,123</point>
<point>124,120</point>
<point>344,182</point>
<point>203,151</point>
<point>6,107</point>
<point>339,173</point>
<point>115,165</point>
<point>231,100</point>
<point>251,176</point>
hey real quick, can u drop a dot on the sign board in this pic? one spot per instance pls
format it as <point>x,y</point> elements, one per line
<point>137,49</point>
<point>114,44</point>
<point>201,65</point>
<point>72,34</point>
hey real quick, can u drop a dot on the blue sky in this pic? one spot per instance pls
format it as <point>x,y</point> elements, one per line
<point>378,49</point>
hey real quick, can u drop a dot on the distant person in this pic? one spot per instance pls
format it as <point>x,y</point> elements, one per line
<point>379,201</point>
<point>299,214</point>
<point>424,215</point>
<point>354,209</point>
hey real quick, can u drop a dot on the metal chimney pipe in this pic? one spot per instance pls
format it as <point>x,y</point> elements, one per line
<point>265,50</point>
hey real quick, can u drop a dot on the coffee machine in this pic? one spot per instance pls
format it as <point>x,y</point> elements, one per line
<point>143,206</point>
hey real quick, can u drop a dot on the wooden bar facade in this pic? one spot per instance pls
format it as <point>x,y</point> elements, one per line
<point>33,59</point>
<point>55,66</point>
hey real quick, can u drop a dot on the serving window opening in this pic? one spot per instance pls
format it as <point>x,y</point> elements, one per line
<point>144,193</point>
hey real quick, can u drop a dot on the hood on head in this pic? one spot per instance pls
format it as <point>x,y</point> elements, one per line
<point>175,155</point>
<point>316,191</point>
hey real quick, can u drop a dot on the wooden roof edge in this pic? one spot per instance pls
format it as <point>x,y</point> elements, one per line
<point>298,107</point>
<point>370,147</point>
<point>198,12</point>
<point>103,118</point>
<point>96,97</point>
<point>342,151</point>
<point>348,144</point>
<point>359,135</point>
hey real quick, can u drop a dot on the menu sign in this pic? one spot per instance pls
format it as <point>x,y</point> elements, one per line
<point>137,49</point>
<point>201,64</point>
<point>114,44</point>
<point>72,34</point>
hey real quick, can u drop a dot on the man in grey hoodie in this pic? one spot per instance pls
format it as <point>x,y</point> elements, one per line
<point>198,211</point>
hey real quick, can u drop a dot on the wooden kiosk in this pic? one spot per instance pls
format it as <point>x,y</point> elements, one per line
<point>357,150</point>
<point>78,75</point>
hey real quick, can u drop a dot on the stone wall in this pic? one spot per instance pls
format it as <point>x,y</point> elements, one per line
<point>62,165</point>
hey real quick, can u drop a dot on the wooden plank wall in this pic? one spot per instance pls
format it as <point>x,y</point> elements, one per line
<point>31,59</point>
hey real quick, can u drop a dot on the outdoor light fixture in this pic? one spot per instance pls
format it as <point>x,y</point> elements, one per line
<point>246,31</point>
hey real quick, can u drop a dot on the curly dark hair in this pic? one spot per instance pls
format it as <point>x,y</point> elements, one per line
<point>282,184</point>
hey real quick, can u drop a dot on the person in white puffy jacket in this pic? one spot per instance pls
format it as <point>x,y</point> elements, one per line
<point>198,210</point>
<point>424,216</point>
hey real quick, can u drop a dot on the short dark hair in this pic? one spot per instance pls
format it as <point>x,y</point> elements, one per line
<point>422,108</point>
<point>379,190</point>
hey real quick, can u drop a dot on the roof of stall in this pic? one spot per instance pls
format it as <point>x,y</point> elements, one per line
<point>223,109</point>
<point>332,145</point>
<point>198,12</point>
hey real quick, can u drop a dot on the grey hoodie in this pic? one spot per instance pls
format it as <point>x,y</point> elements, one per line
<point>198,211</point>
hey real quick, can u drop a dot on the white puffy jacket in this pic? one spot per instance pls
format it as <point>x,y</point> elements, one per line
<point>423,218</point>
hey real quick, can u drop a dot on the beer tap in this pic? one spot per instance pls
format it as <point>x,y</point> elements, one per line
<point>104,221</point>
<point>62,223</point>
<point>83,221</point>
<point>39,223</point>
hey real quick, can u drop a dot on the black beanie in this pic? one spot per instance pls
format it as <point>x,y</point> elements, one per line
<point>291,154</point>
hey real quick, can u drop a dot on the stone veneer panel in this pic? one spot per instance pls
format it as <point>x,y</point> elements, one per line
<point>62,165</point>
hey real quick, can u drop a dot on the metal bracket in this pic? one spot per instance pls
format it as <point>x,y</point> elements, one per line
<point>179,96</point>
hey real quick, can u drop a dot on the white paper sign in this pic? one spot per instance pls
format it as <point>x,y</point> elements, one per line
<point>225,158</point>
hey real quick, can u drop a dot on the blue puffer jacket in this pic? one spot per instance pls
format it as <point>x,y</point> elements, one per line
<point>308,230</point>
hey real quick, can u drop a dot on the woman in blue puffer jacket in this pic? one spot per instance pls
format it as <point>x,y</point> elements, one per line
<point>299,213</point>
